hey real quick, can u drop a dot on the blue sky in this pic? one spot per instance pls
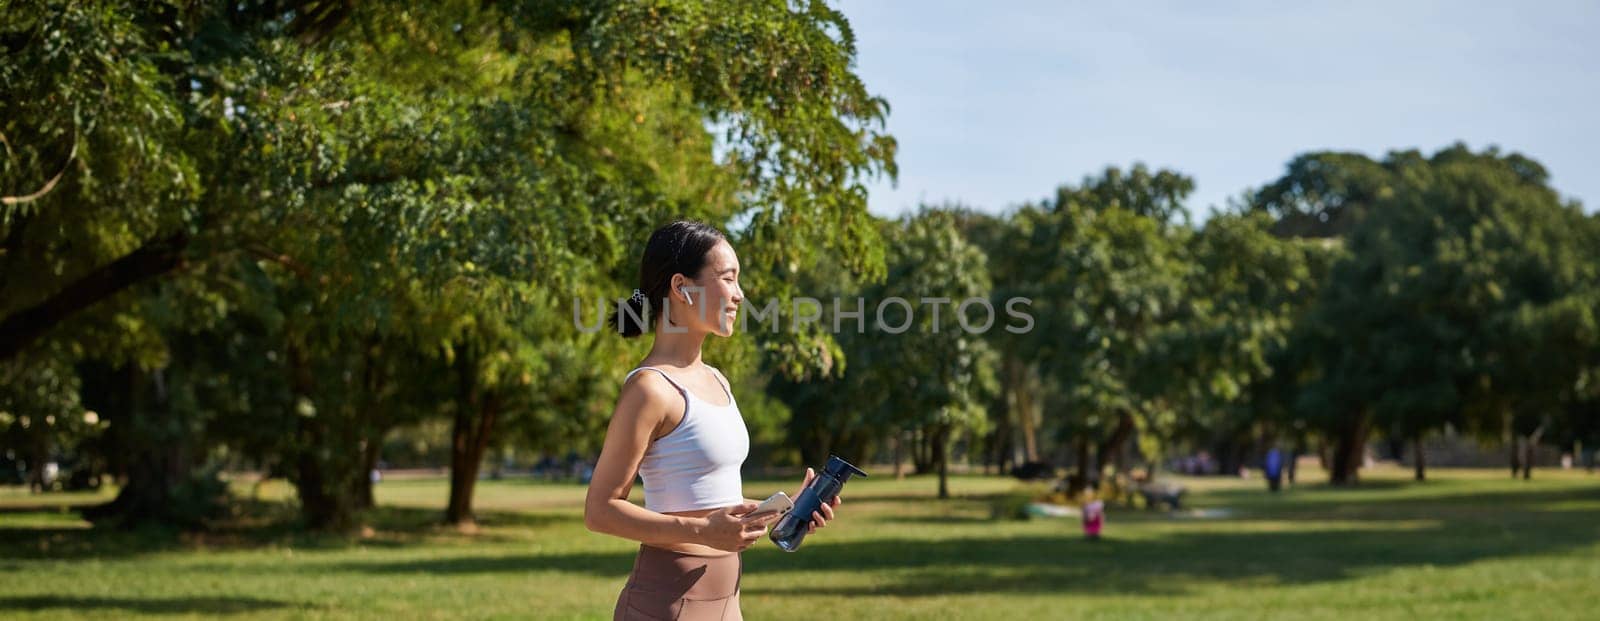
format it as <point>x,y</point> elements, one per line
<point>997,103</point>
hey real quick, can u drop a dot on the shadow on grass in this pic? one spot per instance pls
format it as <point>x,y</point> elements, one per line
<point>1387,499</point>
<point>257,525</point>
<point>1167,564</point>
<point>174,606</point>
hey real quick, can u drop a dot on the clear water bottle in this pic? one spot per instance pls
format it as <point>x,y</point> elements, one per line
<point>792,527</point>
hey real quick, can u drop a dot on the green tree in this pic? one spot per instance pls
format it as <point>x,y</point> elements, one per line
<point>922,376</point>
<point>371,161</point>
<point>1326,193</point>
<point>936,379</point>
<point>1014,410</point>
<point>1104,280</point>
<point>1158,196</point>
<point>1223,356</point>
<point>1419,326</point>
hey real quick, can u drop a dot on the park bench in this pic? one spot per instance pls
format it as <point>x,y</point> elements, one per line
<point>1158,494</point>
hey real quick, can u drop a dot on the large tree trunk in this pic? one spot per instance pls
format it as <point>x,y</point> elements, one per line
<point>1421,457</point>
<point>941,441</point>
<point>321,509</point>
<point>1002,445</point>
<point>1516,455</point>
<point>374,423</point>
<point>1030,442</point>
<point>1294,456</point>
<point>1081,479</point>
<point>1111,451</point>
<point>1026,415</point>
<point>156,456</point>
<point>922,457</point>
<point>364,498</point>
<point>323,483</point>
<point>476,412</point>
<point>1529,450</point>
<point>1351,448</point>
<point>154,258</point>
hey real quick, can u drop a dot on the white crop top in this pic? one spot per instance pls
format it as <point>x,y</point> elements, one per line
<point>696,465</point>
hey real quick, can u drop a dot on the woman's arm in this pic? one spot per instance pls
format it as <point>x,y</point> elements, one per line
<point>643,406</point>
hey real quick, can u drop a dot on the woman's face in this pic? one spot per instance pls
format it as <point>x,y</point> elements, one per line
<point>716,294</point>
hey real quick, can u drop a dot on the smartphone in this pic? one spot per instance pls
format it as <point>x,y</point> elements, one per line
<point>777,503</point>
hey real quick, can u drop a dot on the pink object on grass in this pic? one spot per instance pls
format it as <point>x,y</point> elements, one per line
<point>1094,516</point>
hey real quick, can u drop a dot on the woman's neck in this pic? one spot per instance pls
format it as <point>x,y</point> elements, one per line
<point>677,347</point>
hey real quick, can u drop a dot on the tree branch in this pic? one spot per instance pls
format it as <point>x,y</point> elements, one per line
<point>154,258</point>
<point>48,185</point>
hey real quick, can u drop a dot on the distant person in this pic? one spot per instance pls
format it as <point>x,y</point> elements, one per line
<point>1273,469</point>
<point>677,427</point>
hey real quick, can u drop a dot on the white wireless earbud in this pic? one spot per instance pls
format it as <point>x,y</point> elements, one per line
<point>686,297</point>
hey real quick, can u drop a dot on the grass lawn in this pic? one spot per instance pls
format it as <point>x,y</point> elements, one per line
<point>1469,544</point>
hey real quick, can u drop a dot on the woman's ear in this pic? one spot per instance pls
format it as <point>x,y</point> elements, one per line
<point>679,281</point>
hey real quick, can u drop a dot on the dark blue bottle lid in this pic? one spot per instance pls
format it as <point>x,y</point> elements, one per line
<point>841,469</point>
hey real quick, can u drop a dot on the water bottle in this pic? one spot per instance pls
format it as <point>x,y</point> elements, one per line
<point>792,527</point>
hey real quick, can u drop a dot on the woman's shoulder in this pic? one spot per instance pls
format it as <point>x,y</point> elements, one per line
<point>648,378</point>
<point>647,401</point>
<point>647,387</point>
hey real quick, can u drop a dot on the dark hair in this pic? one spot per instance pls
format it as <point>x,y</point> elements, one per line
<point>677,248</point>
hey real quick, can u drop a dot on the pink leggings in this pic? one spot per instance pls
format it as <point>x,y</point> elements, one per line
<point>672,585</point>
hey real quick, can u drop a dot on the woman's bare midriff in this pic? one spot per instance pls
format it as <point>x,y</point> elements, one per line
<point>692,549</point>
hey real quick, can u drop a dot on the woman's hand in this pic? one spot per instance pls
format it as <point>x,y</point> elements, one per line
<point>820,517</point>
<point>728,530</point>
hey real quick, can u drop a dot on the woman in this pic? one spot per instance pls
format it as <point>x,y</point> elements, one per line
<point>676,425</point>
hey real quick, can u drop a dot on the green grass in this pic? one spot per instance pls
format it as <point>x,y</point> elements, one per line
<point>1470,544</point>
